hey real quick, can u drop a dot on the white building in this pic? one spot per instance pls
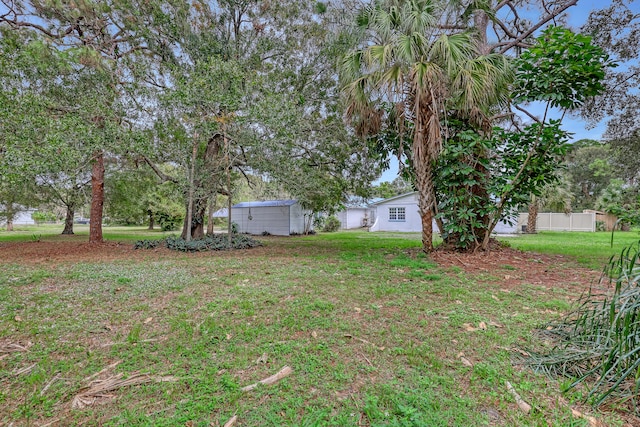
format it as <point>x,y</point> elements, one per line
<point>398,213</point>
<point>277,217</point>
<point>401,213</point>
<point>23,217</point>
<point>356,217</point>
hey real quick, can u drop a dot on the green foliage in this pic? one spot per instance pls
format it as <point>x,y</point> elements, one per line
<point>598,344</point>
<point>472,170</point>
<point>331,224</point>
<point>562,68</point>
<point>396,187</point>
<point>43,216</point>
<point>217,242</point>
<point>590,166</point>
<point>170,218</point>
<point>621,200</point>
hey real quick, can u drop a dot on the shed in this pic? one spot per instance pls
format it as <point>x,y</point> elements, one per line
<point>277,217</point>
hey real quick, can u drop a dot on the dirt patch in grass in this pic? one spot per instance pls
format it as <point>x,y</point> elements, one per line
<point>513,268</point>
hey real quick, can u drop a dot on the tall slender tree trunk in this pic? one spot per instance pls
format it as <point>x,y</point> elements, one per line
<point>211,210</point>
<point>10,214</point>
<point>68,220</point>
<point>152,221</point>
<point>533,217</point>
<point>97,198</point>
<point>424,174</point>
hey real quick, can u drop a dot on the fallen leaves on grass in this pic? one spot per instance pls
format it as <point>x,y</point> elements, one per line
<point>364,341</point>
<point>231,421</point>
<point>482,326</point>
<point>14,347</point>
<point>282,373</point>
<point>524,406</point>
<point>464,360</point>
<point>99,389</point>
<point>592,421</point>
<point>24,370</point>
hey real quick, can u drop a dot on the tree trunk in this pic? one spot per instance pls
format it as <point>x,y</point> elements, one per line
<point>10,213</point>
<point>68,220</point>
<point>425,202</point>
<point>97,198</point>
<point>151,220</point>
<point>198,212</point>
<point>533,217</point>
<point>212,208</point>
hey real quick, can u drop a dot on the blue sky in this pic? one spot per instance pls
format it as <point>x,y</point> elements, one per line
<point>577,16</point>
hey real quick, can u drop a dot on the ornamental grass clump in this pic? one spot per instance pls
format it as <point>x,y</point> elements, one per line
<point>597,346</point>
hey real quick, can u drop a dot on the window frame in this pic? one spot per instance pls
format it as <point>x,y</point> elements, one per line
<point>397,214</point>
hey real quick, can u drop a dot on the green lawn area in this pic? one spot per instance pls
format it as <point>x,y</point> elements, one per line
<point>375,333</point>
<point>592,250</point>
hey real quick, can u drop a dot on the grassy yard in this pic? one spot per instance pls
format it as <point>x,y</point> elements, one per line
<point>590,249</point>
<point>375,334</point>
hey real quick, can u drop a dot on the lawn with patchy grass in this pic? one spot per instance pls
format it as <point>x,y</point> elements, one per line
<point>375,334</point>
<point>590,249</point>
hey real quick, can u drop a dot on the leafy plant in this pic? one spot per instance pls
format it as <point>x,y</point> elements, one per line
<point>216,242</point>
<point>331,224</point>
<point>40,217</point>
<point>598,345</point>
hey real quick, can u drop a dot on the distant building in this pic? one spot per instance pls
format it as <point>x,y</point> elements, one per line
<point>21,218</point>
<point>277,217</point>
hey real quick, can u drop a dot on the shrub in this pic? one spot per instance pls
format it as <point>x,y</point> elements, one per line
<point>39,217</point>
<point>170,220</point>
<point>216,242</point>
<point>331,224</point>
<point>598,344</point>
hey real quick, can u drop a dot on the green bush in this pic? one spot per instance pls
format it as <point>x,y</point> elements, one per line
<point>170,220</point>
<point>331,224</point>
<point>598,344</point>
<point>40,217</point>
<point>216,242</point>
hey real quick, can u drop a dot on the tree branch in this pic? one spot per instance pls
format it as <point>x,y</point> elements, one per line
<point>163,176</point>
<point>543,21</point>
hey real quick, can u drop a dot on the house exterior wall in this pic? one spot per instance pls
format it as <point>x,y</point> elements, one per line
<point>273,219</point>
<point>412,221</point>
<point>351,218</point>
<point>296,219</point>
<point>21,218</point>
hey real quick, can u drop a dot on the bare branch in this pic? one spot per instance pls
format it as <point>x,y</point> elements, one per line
<point>163,176</point>
<point>543,21</point>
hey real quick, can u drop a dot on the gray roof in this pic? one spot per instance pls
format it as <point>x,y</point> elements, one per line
<point>221,213</point>
<point>265,203</point>
<point>393,198</point>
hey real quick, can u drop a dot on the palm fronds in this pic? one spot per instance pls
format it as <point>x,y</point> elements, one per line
<point>598,344</point>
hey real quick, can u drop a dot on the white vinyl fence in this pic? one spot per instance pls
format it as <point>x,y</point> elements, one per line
<point>561,222</point>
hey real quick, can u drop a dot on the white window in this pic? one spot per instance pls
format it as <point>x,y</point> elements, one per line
<point>397,214</point>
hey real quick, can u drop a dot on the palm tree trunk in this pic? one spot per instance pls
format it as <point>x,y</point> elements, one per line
<point>424,184</point>
<point>533,217</point>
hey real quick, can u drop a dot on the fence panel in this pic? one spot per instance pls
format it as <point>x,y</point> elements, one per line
<point>547,221</point>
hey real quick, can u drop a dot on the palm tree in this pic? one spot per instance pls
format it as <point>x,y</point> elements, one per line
<point>410,68</point>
